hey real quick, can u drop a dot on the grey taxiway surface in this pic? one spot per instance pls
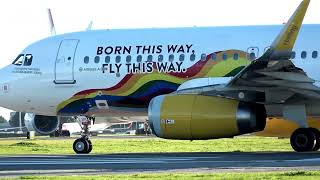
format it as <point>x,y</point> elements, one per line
<point>157,162</point>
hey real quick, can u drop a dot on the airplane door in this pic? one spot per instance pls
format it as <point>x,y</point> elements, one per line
<point>252,53</point>
<point>64,65</point>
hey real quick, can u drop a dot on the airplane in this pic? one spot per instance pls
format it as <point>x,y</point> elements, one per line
<point>193,83</point>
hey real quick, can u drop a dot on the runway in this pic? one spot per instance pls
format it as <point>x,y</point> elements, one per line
<point>157,162</point>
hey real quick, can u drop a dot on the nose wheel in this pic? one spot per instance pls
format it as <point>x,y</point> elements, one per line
<point>83,145</point>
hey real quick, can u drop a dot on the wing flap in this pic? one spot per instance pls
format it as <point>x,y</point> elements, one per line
<point>288,84</point>
<point>288,76</point>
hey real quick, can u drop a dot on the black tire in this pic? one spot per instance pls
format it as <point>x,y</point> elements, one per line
<point>317,134</point>
<point>81,146</point>
<point>303,140</point>
<point>90,146</point>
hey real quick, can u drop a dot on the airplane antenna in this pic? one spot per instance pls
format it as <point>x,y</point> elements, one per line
<point>89,26</point>
<point>51,23</point>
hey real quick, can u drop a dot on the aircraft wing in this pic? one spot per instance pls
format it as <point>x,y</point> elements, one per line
<point>273,78</point>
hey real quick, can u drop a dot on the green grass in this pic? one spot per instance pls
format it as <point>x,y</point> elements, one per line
<point>303,175</point>
<point>101,146</point>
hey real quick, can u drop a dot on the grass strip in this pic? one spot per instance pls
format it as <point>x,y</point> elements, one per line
<point>156,145</point>
<point>303,175</point>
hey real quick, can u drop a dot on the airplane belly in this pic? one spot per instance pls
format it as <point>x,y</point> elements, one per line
<point>118,112</point>
<point>278,127</point>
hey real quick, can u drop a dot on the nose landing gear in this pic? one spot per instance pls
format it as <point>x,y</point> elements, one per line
<point>83,145</point>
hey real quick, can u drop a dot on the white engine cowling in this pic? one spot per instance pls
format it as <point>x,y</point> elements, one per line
<point>43,125</point>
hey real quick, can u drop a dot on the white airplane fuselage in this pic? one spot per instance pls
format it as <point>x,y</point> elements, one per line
<point>118,72</point>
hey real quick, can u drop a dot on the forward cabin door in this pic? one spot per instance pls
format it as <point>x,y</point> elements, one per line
<point>64,65</point>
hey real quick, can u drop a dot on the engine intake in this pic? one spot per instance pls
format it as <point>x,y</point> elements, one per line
<point>43,125</point>
<point>191,117</point>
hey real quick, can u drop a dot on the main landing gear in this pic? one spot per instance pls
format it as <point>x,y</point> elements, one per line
<point>305,139</point>
<point>83,145</point>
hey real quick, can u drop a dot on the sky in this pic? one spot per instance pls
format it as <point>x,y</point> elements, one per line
<point>26,21</point>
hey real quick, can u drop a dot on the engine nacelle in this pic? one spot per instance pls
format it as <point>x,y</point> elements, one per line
<point>43,125</point>
<point>192,117</point>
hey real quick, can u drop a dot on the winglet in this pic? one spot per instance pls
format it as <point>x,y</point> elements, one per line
<point>281,47</point>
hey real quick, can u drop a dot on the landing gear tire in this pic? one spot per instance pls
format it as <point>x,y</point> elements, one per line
<point>303,140</point>
<point>90,146</point>
<point>82,146</point>
<point>317,134</point>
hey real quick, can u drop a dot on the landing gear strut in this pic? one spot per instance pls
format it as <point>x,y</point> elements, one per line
<point>83,145</point>
<point>305,139</point>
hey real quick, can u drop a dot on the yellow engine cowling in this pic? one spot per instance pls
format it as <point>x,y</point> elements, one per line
<point>192,117</point>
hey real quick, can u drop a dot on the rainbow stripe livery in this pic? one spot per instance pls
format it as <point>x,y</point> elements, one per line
<point>136,90</point>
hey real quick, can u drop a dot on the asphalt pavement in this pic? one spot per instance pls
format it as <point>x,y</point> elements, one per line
<point>157,162</point>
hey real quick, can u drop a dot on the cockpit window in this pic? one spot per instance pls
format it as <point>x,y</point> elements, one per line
<point>19,60</point>
<point>28,60</point>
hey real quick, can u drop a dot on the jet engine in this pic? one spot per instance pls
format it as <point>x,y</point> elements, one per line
<point>43,125</point>
<point>198,117</point>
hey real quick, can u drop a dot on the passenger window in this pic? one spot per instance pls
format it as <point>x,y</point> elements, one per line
<point>252,56</point>
<point>28,60</point>
<point>225,56</point>
<point>149,59</point>
<point>314,54</point>
<point>214,56</point>
<point>293,55</point>
<point>107,59</point>
<point>192,57</point>
<point>203,57</point>
<point>19,60</point>
<point>139,58</point>
<point>181,57</point>
<point>86,60</point>
<point>235,56</point>
<point>160,58</point>
<point>171,57</point>
<point>303,54</point>
<point>128,59</point>
<point>96,59</point>
<point>118,59</point>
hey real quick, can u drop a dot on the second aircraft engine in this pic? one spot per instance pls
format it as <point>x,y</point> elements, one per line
<point>195,117</point>
<point>41,124</point>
